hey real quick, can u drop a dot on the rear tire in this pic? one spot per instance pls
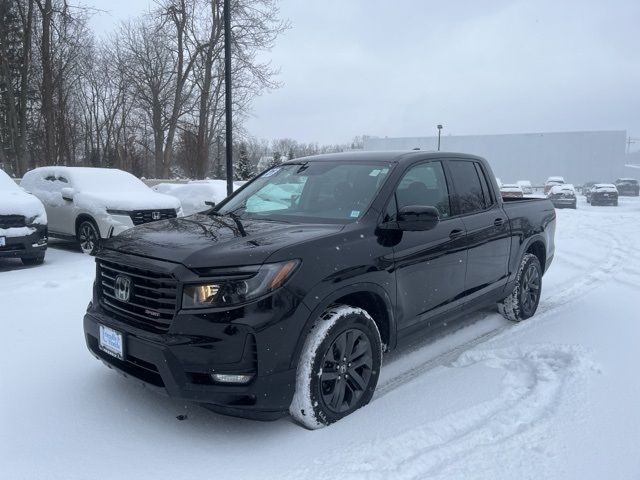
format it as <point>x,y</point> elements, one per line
<point>32,261</point>
<point>88,236</point>
<point>523,301</point>
<point>338,368</point>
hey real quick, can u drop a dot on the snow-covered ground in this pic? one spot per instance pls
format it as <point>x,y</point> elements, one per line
<point>555,397</point>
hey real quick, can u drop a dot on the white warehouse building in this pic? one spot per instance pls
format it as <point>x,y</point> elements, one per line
<point>578,156</point>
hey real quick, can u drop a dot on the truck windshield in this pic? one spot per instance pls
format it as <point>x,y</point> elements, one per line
<point>313,191</point>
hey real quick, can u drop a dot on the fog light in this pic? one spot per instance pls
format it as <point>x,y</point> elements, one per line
<point>231,378</point>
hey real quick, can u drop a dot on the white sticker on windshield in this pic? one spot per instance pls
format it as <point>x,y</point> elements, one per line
<point>355,213</point>
<point>375,173</point>
<point>271,172</point>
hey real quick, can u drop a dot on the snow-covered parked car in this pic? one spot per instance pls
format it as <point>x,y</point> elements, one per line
<point>603,194</point>
<point>23,223</point>
<point>511,191</point>
<point>526,186</point>
<point>91,204</point>
<point>197,195</point>
<point>551,181</point>
<point>563,196</point>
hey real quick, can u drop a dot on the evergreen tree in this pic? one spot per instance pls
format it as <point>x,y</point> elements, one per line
<point>277,159</point>
<point>244,169</point>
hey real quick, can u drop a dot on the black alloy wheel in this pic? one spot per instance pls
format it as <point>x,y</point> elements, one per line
<point>346,370</point>
<point>523,300</point>
<point>338,368</point>
<point>530,290</point>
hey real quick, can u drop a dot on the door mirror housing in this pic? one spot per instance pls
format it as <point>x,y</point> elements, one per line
<point>210,203</point>
<point>418,218</point>
<point>68,194</point>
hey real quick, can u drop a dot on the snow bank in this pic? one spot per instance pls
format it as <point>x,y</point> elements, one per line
<point>15,201</point>
<point>194,194</point>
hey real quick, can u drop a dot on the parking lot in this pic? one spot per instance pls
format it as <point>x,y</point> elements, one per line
<point>534,393</point>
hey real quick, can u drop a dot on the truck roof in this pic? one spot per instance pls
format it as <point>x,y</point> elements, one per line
<point>401,156</point>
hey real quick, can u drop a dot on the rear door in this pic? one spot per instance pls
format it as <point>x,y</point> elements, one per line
<point>430,265</point>
<point>488,235</point>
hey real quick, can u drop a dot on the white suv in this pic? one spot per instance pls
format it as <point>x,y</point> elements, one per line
<point>89,204</point>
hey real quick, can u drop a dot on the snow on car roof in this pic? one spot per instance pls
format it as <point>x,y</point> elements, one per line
<point>555,179</point>
<point>604,185</point>
<point>511,187</point>
<point>97,179</point>
<point>565,187</point>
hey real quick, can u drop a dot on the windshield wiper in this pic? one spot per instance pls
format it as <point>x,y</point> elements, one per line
<point>238,223</point>
<point>233,216</point>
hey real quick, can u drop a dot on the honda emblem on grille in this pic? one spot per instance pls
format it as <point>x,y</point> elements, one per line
<point>155,215</point>
<point>123,288</point>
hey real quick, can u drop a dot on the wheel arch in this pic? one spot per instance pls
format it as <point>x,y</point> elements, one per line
<point>538,248</point>
<point>84,217</point>
<point>370,297</point>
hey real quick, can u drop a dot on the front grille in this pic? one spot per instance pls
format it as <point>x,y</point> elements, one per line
<point>152,296</point>
<point>12,221</point>
<point>138,217</point>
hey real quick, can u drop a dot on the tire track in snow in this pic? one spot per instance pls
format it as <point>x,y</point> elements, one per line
<point>536,380</point>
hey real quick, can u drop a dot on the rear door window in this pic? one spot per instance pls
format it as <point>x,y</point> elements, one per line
<point>469,196</point>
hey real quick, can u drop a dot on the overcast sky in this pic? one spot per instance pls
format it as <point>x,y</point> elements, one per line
<point>398,68</point>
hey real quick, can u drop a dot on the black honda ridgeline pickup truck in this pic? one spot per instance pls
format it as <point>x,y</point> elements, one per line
<point>285,296</point>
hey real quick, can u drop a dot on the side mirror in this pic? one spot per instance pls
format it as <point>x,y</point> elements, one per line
<point>210,204</point>
<point>418,218</point>
<point>68,194</point>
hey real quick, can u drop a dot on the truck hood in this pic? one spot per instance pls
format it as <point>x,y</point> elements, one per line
<point>203,241</point>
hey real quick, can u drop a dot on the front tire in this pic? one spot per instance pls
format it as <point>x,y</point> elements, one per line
<point>523,301</point>
<point>339,367</point>
<point>88,236</point>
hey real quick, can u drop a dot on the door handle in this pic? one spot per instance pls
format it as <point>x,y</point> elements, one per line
<point>498,222</point>
<point>455,234</point>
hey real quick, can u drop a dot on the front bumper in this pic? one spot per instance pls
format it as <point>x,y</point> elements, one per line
<point>28,246</point>
<point>258,338</point>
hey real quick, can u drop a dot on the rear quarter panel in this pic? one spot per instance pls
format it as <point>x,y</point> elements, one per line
<point>531,220</point>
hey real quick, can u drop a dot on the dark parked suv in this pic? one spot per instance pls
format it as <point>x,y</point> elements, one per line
<point>285,296</point>
<point>628,186</point>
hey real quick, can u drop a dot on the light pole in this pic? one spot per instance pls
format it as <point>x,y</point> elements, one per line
<point>439,130</point>
<point>227,96</point>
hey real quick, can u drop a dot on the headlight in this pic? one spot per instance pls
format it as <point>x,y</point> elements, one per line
<point>111,211</point>
<point>222,293</point>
